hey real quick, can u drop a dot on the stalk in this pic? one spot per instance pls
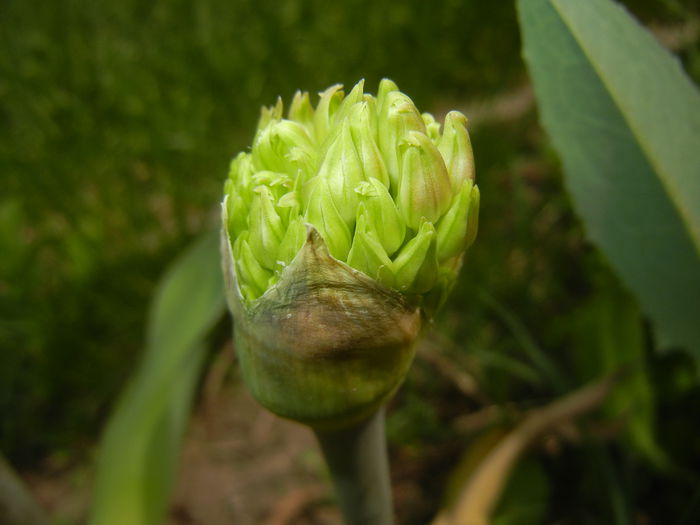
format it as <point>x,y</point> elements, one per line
<point>357,460</point>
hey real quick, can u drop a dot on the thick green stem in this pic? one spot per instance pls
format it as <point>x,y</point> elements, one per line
<point>358,463</point>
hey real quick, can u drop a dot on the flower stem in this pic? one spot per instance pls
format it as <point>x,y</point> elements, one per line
<point>357,459</point>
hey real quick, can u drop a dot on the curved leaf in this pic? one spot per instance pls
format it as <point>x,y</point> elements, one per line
<point>139,450</point>
<point>626,121</point>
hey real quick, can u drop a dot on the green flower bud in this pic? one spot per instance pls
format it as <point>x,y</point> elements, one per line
<point>381,214</point>
<point>386,86</point>
<point>398,116</point>
<point>280,144</point>
<point>368,255</point>
<point>301,109</point>
<point>246,264</point>
<point>355,96</point>
<point>327,106</point>
<point>416,261</point>
<point>269,114</point>
<point>241,175</point>
<point>292,242</point>
<point>237,210</point>
<point>324,215</point>
<point>432,127</point>
<point>456,149</point>
<point>266,229</point>
<point>343,170</point>
<point>363,130</point>
<point>343,229</point>
<point>424,188</point>
<point>278,184</point>
<point>239,191</point>
<point>473,217</point>
<point>453,227</point>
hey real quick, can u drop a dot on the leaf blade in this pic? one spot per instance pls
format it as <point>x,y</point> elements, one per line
<point>618,184</point>
<point>138,453</point>
<point>637,93</point>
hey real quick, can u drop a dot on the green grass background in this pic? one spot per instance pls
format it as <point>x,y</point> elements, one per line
<point>117,123</point>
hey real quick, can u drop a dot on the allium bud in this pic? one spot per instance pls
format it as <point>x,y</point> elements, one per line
<point>381,216</point>
<point>327,106</point>
<point>343,171</point>
<point>301,109</point>
<point>424,187</point>
<point>362,120</point>
<point>456,149</point>
<point>327,219</point>
<point>398,116</point>
<point>457,228</point>
<point>367,253</point>
<point>343,229</point>
<point>415,264</point>
<point>266,229</point>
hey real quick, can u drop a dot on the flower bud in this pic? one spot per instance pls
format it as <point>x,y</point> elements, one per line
<point>327,106</point>
<point>386,86</point>
<point>367,254</point>
<point>432,127</point>
<point>301,109</point>
<point>398,116</point>
<point>473,217</point>
<point>239,192</point>
<point>416,261</point>
<point>270,114</point>
<point>278,144</point>
<point>381,215</point>
<point>237,210</point>
<point>424,188</point>
<point>266,230</point>
<point>324,215</point>
<point>343,170</point>
<point>241,175</point>
<point>363,130</point>
<point>292,242</point>
<point>452,229</point>
<point>343,229</point>
<point>352,98</point>
<point>456,149</point>
<point>255,278</point>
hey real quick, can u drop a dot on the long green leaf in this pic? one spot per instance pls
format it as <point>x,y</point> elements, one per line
<point>138,455</point>
<point>626,121</point>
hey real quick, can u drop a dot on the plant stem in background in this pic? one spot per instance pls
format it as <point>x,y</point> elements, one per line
<point>481,494</point>
<point>357,459</point>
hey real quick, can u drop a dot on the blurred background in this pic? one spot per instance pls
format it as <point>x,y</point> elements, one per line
<point>117,124</point>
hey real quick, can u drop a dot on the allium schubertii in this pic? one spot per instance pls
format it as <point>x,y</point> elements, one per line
<point>344,228</point>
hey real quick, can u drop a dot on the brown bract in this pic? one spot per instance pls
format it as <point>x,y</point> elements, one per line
<point>326,345</point>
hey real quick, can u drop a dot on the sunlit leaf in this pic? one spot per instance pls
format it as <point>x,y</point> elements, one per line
<point>139,451</point>
<point>626,121</point>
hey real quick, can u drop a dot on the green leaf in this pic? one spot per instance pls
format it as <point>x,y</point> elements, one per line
<point>138,455</point>
<point>626,121</point>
